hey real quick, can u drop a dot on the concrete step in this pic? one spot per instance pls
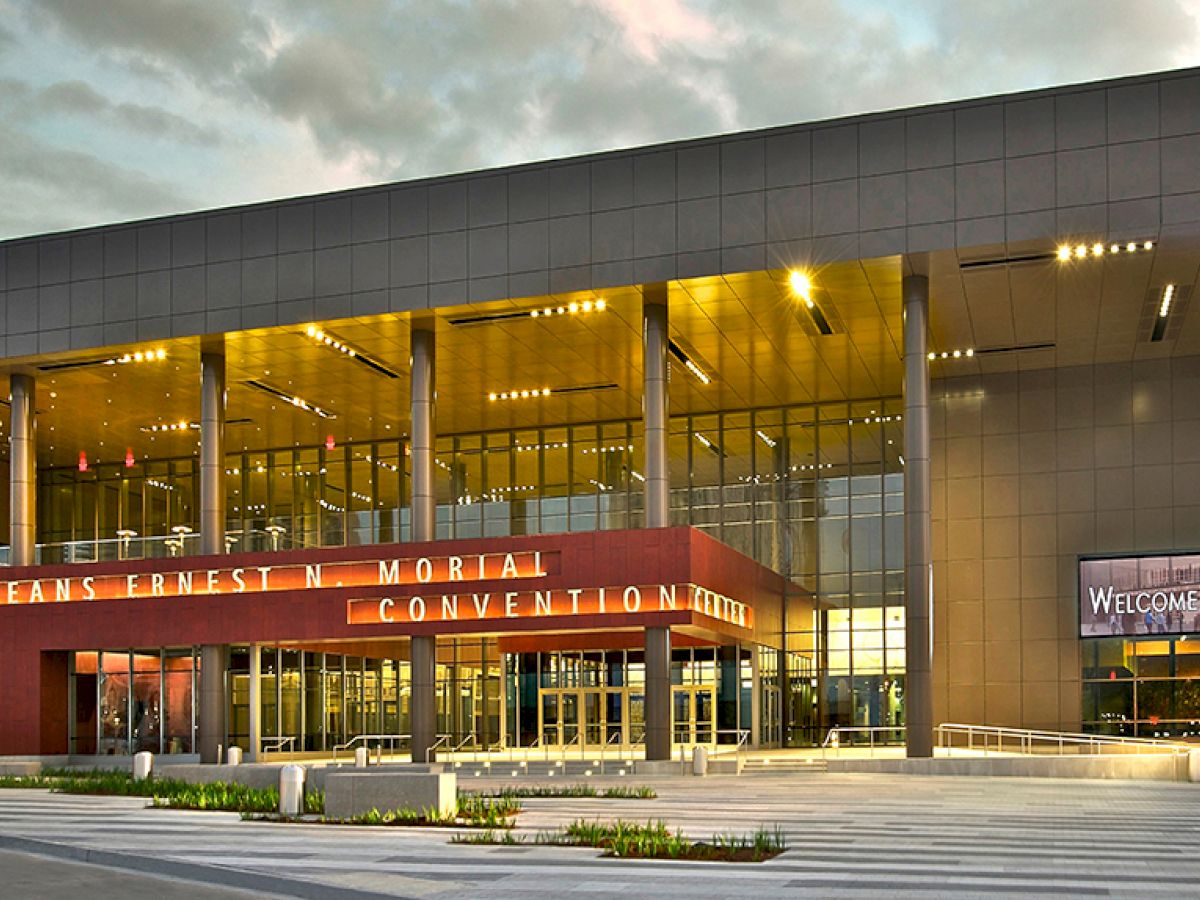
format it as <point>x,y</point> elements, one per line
<point>783,766</point>
<point>571,769</point>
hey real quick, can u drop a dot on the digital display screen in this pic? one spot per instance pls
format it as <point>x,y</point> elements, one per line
<point>1139,595</point>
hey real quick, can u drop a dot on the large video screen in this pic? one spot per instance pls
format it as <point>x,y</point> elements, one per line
<point>1139,595</point>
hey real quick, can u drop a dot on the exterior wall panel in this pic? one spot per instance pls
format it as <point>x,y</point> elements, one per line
<point>1031,470</point>
<point>1117,158</point>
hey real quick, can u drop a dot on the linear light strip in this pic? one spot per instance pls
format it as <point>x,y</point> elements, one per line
<point>1164,308</point>
<point>688,363</point>
<point>158,354</point>
<point>336,344</point>
<point>1067,252</point>
<point>1159,331</point>
<point>532,393</point>
<point>571,308</point>
<point>185,425</point>
<point>290,399</point>
<point>953,354</point>
<point>525,394</point>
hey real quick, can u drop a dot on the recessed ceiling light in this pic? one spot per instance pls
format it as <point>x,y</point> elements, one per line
<point>1067,252</point>
<point>524,394</point>
<point>953,354</point>
<point>572,308</point>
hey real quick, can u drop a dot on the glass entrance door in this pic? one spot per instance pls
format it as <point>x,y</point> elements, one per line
<point>584,718</point>
<point>692,713</point>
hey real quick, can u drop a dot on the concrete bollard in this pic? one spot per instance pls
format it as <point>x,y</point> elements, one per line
<point>699,760</point>
<point>362,757</point>
<point>233,756</point>
<point>291,790</point>
<point>1194,766</point>
<point>143,764</point>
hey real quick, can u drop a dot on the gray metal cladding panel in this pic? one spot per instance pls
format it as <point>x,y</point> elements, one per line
<point>1122,155</point>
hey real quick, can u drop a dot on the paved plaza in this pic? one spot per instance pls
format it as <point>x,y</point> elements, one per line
<point>850,836</point>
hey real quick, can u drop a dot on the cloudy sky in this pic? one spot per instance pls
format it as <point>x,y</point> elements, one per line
<point>119,109</point>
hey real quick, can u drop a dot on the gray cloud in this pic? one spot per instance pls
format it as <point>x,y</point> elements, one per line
<point>348,92</point>
<point>209,40</point>
<point>62,188</point>
<point>75,98</point>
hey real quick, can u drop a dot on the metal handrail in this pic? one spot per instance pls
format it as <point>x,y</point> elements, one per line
<point>151,546</point>
<point>369,737</point>
<point>432,748</point>
<point>1024,740</point>
<point>743,739</point>
<point>470,738</point>
<point>577,739</point>
<point>279,743</point>
<point>833,736</point>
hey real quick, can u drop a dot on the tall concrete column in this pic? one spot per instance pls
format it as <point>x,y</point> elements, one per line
<point>255,711</point>
<point>22,472</point>
<point>424,525</point>
<point>658,693</point>
<point>424,697</point>
<point>211,706</point>
<point>918,565</point>
<point>424,502</point>
<point>212,452</point>
<point>655,340</point>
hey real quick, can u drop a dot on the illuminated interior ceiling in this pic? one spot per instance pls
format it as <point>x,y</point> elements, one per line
<point>1022,307</point>
<point>750,333</point>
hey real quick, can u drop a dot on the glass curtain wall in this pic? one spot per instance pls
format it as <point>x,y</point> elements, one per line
<point>814,492</point>
<point>313,701</point>
<point>1144,687</point>
<point>127,701</point>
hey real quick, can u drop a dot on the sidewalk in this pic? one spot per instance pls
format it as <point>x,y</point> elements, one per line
<point>851,835</point>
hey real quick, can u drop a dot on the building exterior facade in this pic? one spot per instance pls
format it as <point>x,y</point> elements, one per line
<point>878,422</point>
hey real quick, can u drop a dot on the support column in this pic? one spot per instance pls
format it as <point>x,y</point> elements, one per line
<point>212,452</point>
<point>918,567</point>
<point>255,711</point>
<point>424,524</point>
<point>424,697</point>
<point>658,693</point>
<point>655,340</point>
<point>210,732</point>
<point>756,695</point>
<point>424,503</point>
<point>22,472</point>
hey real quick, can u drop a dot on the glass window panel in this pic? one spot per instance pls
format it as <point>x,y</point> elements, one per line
<point>114,703</point>
<point>177,706</point>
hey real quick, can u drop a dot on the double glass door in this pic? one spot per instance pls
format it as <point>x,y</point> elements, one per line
<point>692,714</point>
<point>591,717</point>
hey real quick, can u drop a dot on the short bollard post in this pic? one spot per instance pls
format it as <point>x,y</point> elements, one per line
<point>143,764</point>
<point>291,790</point>
<point>233,756</point>
<point>1194,766</point>
<point>699,760</point>
<point>362,756</point>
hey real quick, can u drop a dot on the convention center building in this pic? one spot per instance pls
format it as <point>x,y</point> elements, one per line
<point>878,423</point>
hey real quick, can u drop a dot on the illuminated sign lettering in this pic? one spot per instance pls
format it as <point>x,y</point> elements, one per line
<point>487,606</point>
<point>381,573</point>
